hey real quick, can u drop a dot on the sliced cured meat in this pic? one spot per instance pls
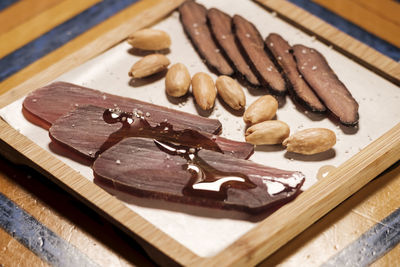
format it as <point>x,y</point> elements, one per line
<point>336,97</point>
<point>149,168</point>
<point>301,91</point>
<point>221,28</point>
<point>52,101</point>
<point>252,44</point>
<point>88,130</point>
<point>194,20</point>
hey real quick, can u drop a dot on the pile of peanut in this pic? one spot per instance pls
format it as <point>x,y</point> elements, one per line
<point>259,116</point>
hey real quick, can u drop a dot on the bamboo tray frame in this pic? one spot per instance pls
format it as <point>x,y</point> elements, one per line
<point>262,240</point>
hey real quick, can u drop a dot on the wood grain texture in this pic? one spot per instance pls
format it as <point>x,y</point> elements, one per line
<point>390,259</point>
<point>311,205</point>
<point>345,44</point>
<point>65,217</point>
<point>380,17</point>
<point>43,22</point>
<point>22,11</point>
<point>388,9</point>
<point>15,254</point>
<point>86,46</point>
<point>255,245</point>
<point>30,154</point>
<point>344,225</point>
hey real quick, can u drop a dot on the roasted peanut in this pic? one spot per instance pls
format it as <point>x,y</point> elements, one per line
<point>204,90</point>
<point>149,65</point>
<point>310,141</point>
<point>262,109</point>
<point>177,80</point>
<point>267,133</point>
<point>231,92</point>
<point>150,39</point>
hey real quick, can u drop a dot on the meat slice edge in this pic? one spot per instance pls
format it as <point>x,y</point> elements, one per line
<point>85,131</point>
<point>322,79</point>
<point>138,166</point>
<point>56,99</point>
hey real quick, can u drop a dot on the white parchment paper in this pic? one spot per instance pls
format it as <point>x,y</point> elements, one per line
<point>207,231</point>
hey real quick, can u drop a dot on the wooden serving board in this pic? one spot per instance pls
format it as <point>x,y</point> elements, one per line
<point>269,234</point>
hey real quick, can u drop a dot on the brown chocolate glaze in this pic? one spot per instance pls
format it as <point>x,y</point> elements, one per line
<point>221,28</point>
<point>300,90</point>
<point>194,20</point>
<point>149,168</point>
<point>336,97</point>
<point>54,100</point>
<point>252,44</point>
<point>86,131</point>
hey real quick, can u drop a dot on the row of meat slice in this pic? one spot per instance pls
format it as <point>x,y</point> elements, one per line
<point>128,156</point>
<point>272,63</point>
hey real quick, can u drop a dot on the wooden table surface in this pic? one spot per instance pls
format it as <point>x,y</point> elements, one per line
<point>41,224</point>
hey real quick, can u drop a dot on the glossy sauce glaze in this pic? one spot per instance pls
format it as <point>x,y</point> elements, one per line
<point>205,180</point>
<point>134,124</point>
<point>154,168</point>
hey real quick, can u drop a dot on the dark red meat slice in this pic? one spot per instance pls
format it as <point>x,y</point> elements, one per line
<point>302,92</point>
<point>336,97</point>
<point>252,44</point>
<point>221,28</point>
<point>52,101</point>
<point>85,131</point>
<point>143,167</point>
<point>194,20</point>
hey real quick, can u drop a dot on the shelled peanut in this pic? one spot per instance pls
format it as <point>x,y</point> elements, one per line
<point>150,39</point>
<point>267,133</point>
<point>263,109</point>
<point>310,141</point>
<point>149,65</point>
<point>231,92</point>
<point>177,80</point>
<point>263,130</point>
<point>204,91</point>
